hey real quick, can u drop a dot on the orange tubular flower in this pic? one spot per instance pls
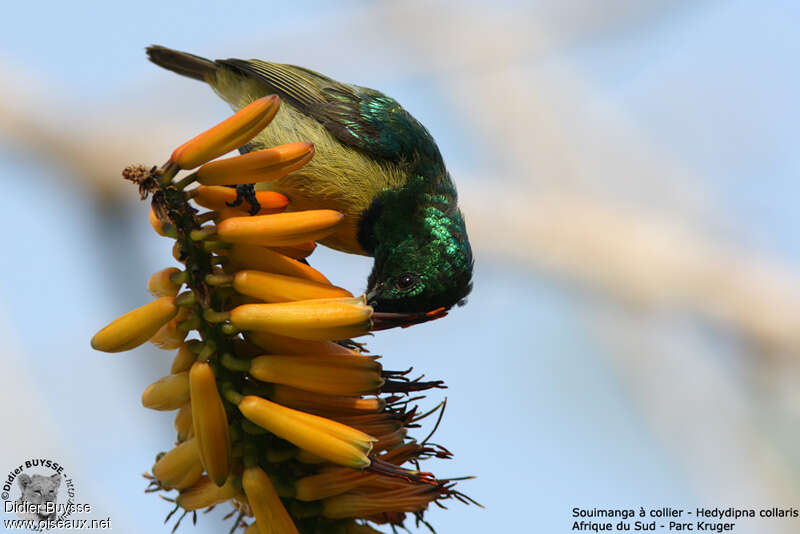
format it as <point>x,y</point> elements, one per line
<point>325,405</point>
<point>278,344</point>
<point>258,166</point>
<point>280,229</point>
<point>271,287</point>
<point>280,414</point>
<point>170,336</point>
<point>167,393</point>
<point>265,503</point>
<point>337,481</point>
<point>323,437</point>
<point>183,422</point>
<point>221,198</point>
<point>227,135</point>
<point>135,327</point>
<point>180,467</point>
<point>298,251</point>
<point>205,493</point>
<point>267,260</point>
<point>332,375</point>
<point>210,423</point>
<point>183,359</point>
<point>413,498</point>
<point>320,319</point>
<point>161,284</point>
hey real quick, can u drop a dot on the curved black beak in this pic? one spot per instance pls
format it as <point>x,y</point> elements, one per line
<point>386,320</point>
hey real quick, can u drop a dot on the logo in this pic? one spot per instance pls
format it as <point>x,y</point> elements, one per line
<point>41,494</point>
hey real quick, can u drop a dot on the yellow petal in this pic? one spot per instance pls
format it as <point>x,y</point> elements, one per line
<point>228,135</point>
<point>279,229</point>
<point>258,166</point>
<point>135,327</point>
<point>267,260</point>
<point>323,437</point>
<point>219,198</point>
<point>271,287</point>
<point>265,502</point>
<point>167,393</point>
<point>210,422</point>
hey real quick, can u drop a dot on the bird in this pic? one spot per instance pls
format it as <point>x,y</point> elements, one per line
<point>373,162</point>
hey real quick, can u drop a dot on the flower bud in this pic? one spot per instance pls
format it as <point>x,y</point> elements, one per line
<point>413,498</point>
<point>156,223</point>
<point>332,375</point>
<point>298,251</point>
<point>183,422</point>
<point>257,166</point>
<point>267,260</point>
<point>210,422</point>
<point>183,360</point>
<point>205,493</point>
<point>265,502</point>
<point>180,467</point>
<point>160,284</point>
<point>220,198</point>
<point>277,344</point>
<point>167,393</point>
<point>228,135</point>
<point>169,336</point>
<point>332,406</point>
<point>135,327</point>
<point>320,319</point>
<point>279,229</point>
<point>326,438</point>
<point>271,287</point>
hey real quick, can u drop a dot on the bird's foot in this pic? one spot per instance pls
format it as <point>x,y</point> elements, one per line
<point>246,192</point>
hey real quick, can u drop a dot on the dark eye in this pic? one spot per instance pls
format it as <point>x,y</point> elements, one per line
<point>407,281</point>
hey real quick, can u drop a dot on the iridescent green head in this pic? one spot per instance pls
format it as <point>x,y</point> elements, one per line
<point>425,264</point>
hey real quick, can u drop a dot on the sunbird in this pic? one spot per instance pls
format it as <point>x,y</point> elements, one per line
<point>373,162</point>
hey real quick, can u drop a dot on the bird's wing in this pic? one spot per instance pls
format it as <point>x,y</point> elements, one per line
<point>362,118</point>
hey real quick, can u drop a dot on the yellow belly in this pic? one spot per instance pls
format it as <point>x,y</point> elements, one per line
<point>338,177</point>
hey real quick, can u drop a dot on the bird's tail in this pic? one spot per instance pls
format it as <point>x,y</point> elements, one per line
<point>185,64</point>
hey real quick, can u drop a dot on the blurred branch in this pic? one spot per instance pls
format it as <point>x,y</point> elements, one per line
<point>92,144</point>
<point>696,405</point>
<point>639,259</point>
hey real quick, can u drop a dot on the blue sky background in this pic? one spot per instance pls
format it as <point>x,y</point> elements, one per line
<point>535,409</point>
